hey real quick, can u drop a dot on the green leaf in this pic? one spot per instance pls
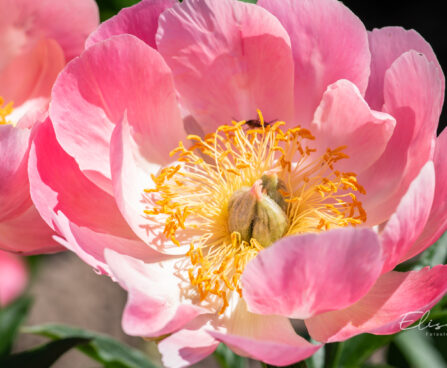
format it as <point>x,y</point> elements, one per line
<point>434,255</point>
<point>227,359</point>
<point>416,347</point>
<point>11,317</point>
<point>109,352</point>
<point>359,348</point>
<point>43,356</point>
<point>249,1</point>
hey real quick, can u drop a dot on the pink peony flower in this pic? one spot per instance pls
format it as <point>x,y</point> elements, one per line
<point>309,168</point>
<point>37,38</point>
<point>13,277</point>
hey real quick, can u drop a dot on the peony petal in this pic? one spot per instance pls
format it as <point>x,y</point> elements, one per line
<point>27,234</point>
<point>270,339</point>
<point>328,43</point>
<point>90,245</point>
<point>228,59</point>
<point>404,227</point>
<point>24,22</point>
<point>189,345</point>
<point>396,301</point>
<point>343,118</point>
<point>154,306</point>
<point>140,20</point>
<point>14,187</point>
<point>413,95</point>
<point>13,277</point>
<point>131,175</point>
<point>386,45</point>
<point>119,76</point>
<point>304,275</point>
<point>67,190</point>
<point>437,222</point>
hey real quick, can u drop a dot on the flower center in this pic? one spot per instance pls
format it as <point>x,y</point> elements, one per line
<point>197,197</point>
<point>5,110</point>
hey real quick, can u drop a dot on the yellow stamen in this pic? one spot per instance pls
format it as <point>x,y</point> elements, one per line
<point>193,196</point>
<point>5,110</point>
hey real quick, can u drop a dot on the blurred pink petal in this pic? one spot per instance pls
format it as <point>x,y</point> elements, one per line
<point>13,277</point>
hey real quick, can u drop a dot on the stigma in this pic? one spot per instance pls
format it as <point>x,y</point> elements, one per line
<point>5,111</point>
<point>238,190</point>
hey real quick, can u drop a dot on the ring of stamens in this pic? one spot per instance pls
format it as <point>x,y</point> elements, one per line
<point>193,195</point>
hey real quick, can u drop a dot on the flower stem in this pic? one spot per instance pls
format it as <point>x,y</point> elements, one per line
<point>333,354</point>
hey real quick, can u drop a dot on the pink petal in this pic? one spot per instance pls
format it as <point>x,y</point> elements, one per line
<point>189,345</point>
<point>413,95</point>
<point>121,75</point>
<point>228,58</point>
<point>27,234</point>
<point>14,187</point>
<point>140,20</point>
<point>89,245</point>
<point>67,190</point>
<point>386,45</point>
<point>13,277</point>
<point>395,302</point>
<point>32,74</point>
<point>301,276</point>
<point>437,222</point>
<point>24,22</point>
<point>155,304</point>
<point>404,226</point>
<point>343,118</point>
<point>131,175</point>
<point>328,43</point>
<point>270,339</point>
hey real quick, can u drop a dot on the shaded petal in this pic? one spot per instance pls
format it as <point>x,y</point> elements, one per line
<point>119,76</point>
<point>413,95</point>
<point>408,222</point>
<point>328,43</point>
<point>189,345</point>
<point>386,45</point>
<point>303,275</point>
<point>437,222</point>
<point>140,20</point>
<point>131,175</point>
<point>13,277</point>
<point>156,305</point>
<point>270,339</point>
<point>228,58</point>
<point>27,234</point>
<point>14,187</point>
<point>396,301</point>
<point>343,118</point>
<point>68,190</point>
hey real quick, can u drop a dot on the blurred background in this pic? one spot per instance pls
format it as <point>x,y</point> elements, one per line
<point>65,290</point>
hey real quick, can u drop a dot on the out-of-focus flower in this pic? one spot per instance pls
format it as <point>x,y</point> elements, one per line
<point>13,277</point>
<point>290,112</point>
<point>37,38</point>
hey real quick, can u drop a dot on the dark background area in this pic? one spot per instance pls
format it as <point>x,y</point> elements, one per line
<point>426,16</point>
